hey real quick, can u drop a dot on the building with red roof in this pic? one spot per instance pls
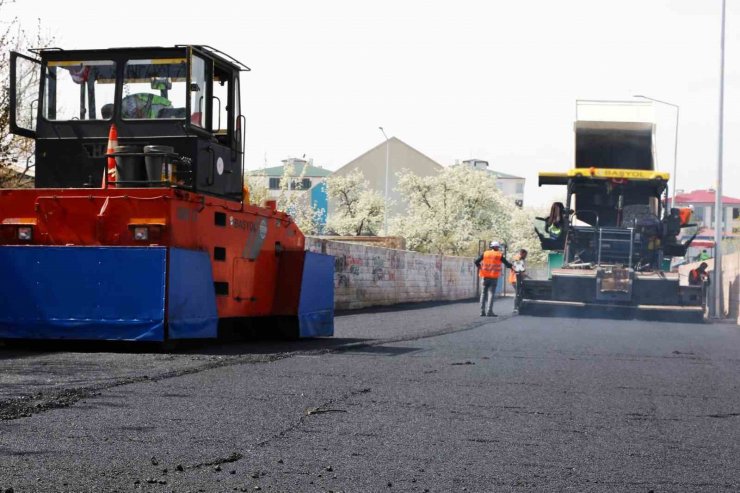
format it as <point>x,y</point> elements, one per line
<point>704,197</point>
<point>703,215</point>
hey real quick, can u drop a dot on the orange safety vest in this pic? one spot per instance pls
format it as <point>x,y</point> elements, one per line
<point>684,213</point>
<point>512,272</point>
<point>490,266</point>
<point>695,277</point>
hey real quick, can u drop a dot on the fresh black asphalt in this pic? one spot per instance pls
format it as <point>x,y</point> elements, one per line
<point>424,398</point>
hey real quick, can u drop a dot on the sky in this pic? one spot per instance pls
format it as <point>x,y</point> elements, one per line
<point>490,79</point>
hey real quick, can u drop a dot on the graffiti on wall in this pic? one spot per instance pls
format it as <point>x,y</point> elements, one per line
<point>345,268</point>
<point>366,275</point>
<point>378,268</point>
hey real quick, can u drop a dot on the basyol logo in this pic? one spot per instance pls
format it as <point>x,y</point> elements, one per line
<point>623,173</point>
<point>242,224</point>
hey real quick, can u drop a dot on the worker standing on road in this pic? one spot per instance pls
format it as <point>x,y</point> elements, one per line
<point>704,256</point>
<point>489,264</point>
<point>518,267</point>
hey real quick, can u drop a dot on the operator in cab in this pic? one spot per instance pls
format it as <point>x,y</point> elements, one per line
<point>144,105</point>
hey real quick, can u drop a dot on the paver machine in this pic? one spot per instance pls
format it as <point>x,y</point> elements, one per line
<point>612,238</point>
<point>150,238</point>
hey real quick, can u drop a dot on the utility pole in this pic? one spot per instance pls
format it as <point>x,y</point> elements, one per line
<point>718,222</point>
<point>387,160</point>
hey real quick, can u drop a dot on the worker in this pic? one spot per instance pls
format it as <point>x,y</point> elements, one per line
<point>685,214</point>
<point>489,264</point>
<point>699,276</point>
<point>704,256</point>
<point>106,111</point>
<point>554,223</point>
<point>143,105</point>
<point>554,231</point>
<point>518,267</point>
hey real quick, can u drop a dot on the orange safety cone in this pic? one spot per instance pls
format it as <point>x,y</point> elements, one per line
<point>110,170</point>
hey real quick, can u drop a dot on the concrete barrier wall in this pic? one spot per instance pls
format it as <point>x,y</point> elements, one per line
<point>730,282</point>
<point>370,276</point>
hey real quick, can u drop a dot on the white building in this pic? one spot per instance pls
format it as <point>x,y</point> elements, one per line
<point>510,185</point>
<point>305,176</point>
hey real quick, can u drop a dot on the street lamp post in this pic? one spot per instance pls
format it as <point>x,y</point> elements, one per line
<point>718,223</point>
<point>675,145</point>
<point>387,160</point>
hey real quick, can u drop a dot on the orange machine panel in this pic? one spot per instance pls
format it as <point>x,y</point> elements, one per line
<point>246,244</point>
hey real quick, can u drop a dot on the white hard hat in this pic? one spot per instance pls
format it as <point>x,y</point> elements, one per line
<point>691,206</point>
<point>494,244</point>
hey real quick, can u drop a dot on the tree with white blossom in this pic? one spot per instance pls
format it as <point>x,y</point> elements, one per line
<point>358,210</point>
<point>448,213</point>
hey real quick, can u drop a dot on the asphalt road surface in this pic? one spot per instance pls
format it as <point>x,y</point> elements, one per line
<point>426,398</point>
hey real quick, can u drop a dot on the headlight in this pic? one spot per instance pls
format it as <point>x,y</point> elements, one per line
<point>141,233</point>
<point>25,233</point>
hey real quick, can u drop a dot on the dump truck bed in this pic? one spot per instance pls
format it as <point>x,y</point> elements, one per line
<point>606,144</point>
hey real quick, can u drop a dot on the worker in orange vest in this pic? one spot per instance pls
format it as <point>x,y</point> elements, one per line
<point>684,213</point>
<point>699,276</point>
<point>490,264</point>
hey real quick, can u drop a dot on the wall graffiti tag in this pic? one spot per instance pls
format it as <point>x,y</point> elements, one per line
<point>367,275</point>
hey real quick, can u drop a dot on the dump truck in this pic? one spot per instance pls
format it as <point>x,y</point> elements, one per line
<point>612,237</point>
<point>138,226</point>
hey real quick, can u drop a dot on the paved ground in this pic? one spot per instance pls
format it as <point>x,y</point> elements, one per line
<point>432,398</point>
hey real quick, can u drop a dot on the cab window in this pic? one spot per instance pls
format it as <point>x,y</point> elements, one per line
<point>221,90</point>
<point>154,89</point>
<point>198,92</point>
<point>79,90</point>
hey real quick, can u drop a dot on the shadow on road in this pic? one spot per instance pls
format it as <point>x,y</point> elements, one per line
<point>612,313</point>
<point>265,346</point>
<point>24,349</point>
<point>380,350</point>
<point>400,307</point>
<point>256,344</point>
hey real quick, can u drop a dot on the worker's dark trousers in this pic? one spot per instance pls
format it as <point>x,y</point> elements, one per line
<point>487,292</point>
